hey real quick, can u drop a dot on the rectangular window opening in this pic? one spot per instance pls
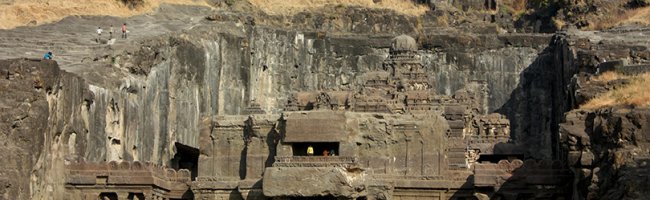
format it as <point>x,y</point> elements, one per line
<point>320,148</point>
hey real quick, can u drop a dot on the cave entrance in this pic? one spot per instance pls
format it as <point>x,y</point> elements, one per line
<point>136,196</point>
<point>495,158</point>
<point>300,148</point>
<point>108,196</point>
<point>186,157</point>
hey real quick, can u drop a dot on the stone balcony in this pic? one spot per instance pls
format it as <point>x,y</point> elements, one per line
<point>316,161</point>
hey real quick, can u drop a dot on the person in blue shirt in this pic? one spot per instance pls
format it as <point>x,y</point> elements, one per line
<point>48,56</point>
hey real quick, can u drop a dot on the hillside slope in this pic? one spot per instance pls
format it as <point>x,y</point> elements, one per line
<point>14,13</point>
<point>289,7</point>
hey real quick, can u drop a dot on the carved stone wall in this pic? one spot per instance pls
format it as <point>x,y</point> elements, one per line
<point>126,180</point>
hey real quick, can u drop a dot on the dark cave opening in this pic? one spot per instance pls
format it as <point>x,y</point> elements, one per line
<point>495,158</point>
<point>108,196</point>
<point>186,157</point>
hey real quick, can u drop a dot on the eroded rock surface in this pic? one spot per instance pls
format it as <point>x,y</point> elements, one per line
<point>25,110</point>
<point>608,150</point>
<point>236,101</point>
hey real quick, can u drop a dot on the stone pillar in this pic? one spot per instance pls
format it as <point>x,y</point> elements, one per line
<point>255,159</point>
<point>414,154</point>
<point>206,146</point>
<point>284,150</point>
<point>91,195</point>
<point>122,195</point>
<point>259,150</point>
<point>430,159</point>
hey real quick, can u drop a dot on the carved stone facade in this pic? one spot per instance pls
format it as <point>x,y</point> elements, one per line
<point>126,180</point>
<point>394,138</point>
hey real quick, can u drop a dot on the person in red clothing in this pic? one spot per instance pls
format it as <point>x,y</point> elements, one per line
<point>124,31</point>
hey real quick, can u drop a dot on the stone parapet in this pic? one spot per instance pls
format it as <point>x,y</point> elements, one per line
<point>316,161</point>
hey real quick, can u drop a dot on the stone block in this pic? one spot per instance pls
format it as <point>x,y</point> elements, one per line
<point>587,158</point>
<point>313,182</point>
<point>573,157</point>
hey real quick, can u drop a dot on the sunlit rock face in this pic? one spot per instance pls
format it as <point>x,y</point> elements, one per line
<point>227,109</point>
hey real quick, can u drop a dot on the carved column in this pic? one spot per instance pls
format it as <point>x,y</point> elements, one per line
<point>122,195</point>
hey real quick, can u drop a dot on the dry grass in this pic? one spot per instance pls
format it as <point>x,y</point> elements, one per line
<point>516,7</point>
<point>558,23</point>
<point>636,94</point>
<point>34,12</point>
<point>608,76</point>
<point>290,7</point>
<point>634,16</point>
<point>641,16</point>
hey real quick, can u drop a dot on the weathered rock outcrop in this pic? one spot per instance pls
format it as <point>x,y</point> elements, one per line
<point>157,91</point>
<point>608,152</point>
<point>152,99</point>
<point>24,113</point>
<point>42,126</point>
<point>606,148</point>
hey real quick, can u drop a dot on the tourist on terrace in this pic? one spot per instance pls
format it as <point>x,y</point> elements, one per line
<point>124,31</point>
<point>332,153</point>
<point>325,153</point>
<point>99,34</point>
<point>310,150</point>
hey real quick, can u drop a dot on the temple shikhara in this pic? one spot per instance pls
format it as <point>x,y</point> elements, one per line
<point>392,138</point>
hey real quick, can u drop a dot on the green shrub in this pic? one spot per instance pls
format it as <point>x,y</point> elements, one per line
<point>230,2</point>
<point>133,3</point>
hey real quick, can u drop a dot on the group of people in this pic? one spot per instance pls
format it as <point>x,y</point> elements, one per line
<point>49,55</point>
<point>310,152</point>
<point>111,31</point>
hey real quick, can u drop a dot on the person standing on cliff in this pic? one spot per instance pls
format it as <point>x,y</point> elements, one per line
<point>99,34</point>
<point>310,150</point>
<point>124,31</point>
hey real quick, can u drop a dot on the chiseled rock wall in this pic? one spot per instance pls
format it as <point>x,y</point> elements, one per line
<point>170,83</point>
<point>43,126</point>
<point>606,148</point>
<point>608,151</point>
<point>24,111</point>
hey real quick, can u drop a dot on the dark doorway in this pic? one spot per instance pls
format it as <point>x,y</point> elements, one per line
<point>186,157</point>
<point>300,149</point>
<point>136,196</point>
<point>108,196</point>
<point>495,158</point>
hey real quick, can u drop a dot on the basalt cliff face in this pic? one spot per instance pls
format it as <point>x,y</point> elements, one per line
<point>211,102</point>
<point>606,147</point>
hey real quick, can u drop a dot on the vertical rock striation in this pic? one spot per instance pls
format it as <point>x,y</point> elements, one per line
<point>167,85</point>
